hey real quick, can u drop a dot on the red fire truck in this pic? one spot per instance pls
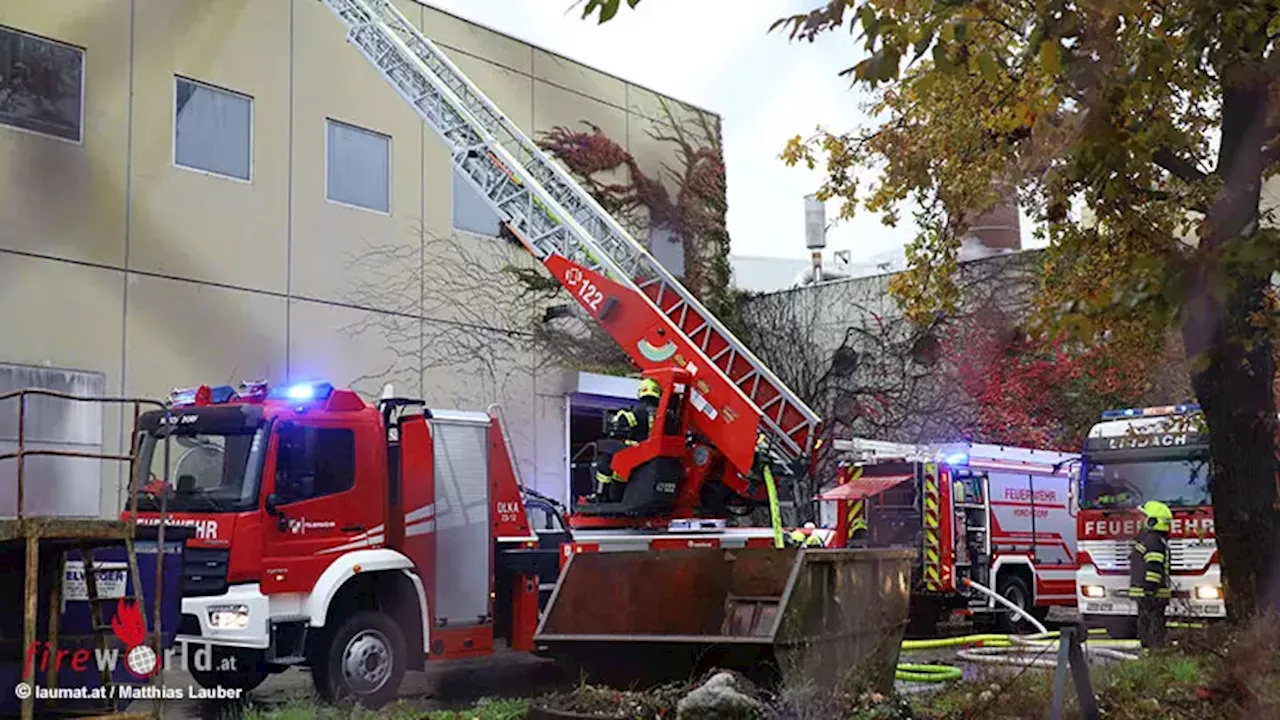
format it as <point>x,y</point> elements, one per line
<point>1002,517</point>
<point>351,537</point>
<point>1132,456</point>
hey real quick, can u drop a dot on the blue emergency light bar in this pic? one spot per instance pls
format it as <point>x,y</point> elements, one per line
<point>1158,411</point>
<point>303,392</point>
<point>203,395</point>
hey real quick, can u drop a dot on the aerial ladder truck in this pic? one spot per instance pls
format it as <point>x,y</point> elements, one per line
<point>352,538</point>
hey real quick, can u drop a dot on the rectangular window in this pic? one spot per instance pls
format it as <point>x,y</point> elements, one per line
<point>212,129</point>
<point>53,485</point>
<point>41,85</point>
<point>358,167</point>
<point>471,212</point>
<point>314,462</point>
<point>668,249</point>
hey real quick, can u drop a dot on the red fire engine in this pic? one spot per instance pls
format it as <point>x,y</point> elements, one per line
<point>355,538</point>
<point>1002,517</point>
<point>1132,456</point>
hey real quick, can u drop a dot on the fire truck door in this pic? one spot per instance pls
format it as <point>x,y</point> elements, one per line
<point>323,498</point>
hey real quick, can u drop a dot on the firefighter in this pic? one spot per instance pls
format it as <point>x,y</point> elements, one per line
<point>805,537</point>
<point>626,427</point>
<point>1149,573</point>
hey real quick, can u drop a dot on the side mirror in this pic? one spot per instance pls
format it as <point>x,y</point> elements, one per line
<point>273,504</point>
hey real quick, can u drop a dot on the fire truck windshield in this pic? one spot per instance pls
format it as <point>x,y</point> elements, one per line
<point>208,472</point>
<point>1176,481</point>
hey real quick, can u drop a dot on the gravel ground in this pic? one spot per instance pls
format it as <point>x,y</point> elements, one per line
<point>512,674</point>
<point>443,685</point>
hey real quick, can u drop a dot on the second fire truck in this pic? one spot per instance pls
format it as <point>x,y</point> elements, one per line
<point>1134,455</point>
<point>1001,517</point>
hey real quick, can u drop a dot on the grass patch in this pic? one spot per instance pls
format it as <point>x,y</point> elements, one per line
<point>309,709</point>
<point>489,709</point>
<point>1210,675</point>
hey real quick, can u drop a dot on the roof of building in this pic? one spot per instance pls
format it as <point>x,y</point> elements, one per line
<point>562,56</point>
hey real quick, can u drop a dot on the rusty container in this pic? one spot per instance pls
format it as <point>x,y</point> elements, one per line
<point>834,618</point>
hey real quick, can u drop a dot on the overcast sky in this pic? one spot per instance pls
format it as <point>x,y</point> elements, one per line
<point>718,54</point>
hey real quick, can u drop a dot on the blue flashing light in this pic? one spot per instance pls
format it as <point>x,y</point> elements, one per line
<point>1159,411</point>
<point>221,394</point>
<point>304,392</point>
<point>956,459</point>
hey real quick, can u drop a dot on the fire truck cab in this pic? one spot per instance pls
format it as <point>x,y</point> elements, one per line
<point>996,516</point>
<point>354,538</point>
<point>1132,456</point>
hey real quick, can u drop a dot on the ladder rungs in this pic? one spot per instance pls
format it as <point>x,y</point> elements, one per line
<point>560,217</point>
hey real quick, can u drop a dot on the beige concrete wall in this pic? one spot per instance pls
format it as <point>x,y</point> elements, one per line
<point>114,259</point>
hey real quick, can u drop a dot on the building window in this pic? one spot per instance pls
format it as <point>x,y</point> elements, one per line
<point>358,166</point>
<point>212,129</point>
<point>471,212</point>
<point>41,85</point>
<point>668,249</point>
<point>320,462</point>
<point>54,485</point>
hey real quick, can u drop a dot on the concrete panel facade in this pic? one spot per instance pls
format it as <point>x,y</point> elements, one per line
<point>116,258</point>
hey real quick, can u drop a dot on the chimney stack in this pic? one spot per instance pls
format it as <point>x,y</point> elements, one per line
<point>815,232</point>
<point>999,228</point>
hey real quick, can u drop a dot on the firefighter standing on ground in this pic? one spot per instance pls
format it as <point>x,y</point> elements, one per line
<point>626,427</point>
<point>1149,573</point>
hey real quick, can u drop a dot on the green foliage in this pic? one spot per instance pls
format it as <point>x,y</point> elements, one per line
<point>1106,105</point>
<point>486,709</point>
<point>607,9</point>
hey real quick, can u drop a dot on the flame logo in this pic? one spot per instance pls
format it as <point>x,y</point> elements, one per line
<point>131,628</point>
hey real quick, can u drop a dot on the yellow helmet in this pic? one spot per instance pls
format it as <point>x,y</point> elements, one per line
<point>649,388</point>
<point>1159,516</point>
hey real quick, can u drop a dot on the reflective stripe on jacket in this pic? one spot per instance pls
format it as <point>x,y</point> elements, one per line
<point>1149,566</point>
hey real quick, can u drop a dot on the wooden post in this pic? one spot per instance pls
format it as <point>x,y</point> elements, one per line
<point>1071,654</point>
<point>57,574</point>
<point>32,593</point>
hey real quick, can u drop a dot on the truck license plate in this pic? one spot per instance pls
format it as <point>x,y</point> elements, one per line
<point>1099,607</point>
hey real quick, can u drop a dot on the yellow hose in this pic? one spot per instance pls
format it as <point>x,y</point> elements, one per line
<point>934,643</point>
<point>926,673</point>
<point>914,672</point>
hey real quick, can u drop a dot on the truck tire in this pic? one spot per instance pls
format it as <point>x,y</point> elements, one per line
<point>362,661</point>
<point>249,671</point>
<point>1014,588</point>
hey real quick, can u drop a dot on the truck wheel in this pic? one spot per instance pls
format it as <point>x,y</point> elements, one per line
<point>363,661</point>
<point>247,673</point>
<point>1014,589</point>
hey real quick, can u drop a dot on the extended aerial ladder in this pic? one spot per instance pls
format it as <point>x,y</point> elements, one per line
<point>744,410</point>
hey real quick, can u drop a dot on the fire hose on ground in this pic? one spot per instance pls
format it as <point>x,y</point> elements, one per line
<point>1035,650</point>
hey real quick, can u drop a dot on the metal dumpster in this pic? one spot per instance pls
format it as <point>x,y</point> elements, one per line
<point>75,625</point>
<point>832,617</point>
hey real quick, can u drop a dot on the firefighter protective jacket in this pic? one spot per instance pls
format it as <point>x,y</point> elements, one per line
<point>1149,565</point>
<point>634,424</point>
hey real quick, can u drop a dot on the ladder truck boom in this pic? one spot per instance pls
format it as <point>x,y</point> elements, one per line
<point>657,320</point>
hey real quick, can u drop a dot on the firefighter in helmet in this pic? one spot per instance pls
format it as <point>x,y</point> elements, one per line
<point>805,537</point>
<point>1149,573</point>
<point>626,427</point>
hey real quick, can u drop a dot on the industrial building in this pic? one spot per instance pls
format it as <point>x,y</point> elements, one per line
<point>208,192</point>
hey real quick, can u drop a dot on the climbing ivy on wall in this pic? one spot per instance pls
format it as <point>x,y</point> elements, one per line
<point>694,214</point>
